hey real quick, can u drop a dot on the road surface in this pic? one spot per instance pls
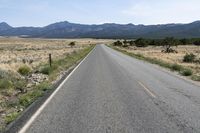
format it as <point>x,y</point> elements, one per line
<point>113,93</point>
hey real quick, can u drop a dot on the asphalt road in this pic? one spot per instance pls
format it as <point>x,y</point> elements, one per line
<point>114,93</point>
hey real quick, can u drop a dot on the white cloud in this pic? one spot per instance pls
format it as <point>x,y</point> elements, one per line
<point>164,12</point>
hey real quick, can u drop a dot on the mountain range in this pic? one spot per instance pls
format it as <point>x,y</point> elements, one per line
<point>108,30</point>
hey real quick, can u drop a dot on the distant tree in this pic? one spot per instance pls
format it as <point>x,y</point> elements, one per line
<point>184,41</point>
<point>197,42</point>
<point>155,42</point>
<point>72,44</point>
<point>118,43</point>
<point>141,42</point>
<point>132,43</point>
<point>125,43</point>
<point>168,43</point>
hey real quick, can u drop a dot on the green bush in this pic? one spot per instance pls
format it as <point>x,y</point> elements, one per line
<point>196,77</point>
<point>24,70</point>
<point>141,42</point>
<point>11,117</point>
<point>118,43</point>
<point>27,99</point>
<point>176,67</point>
<point>5,84</point>
<point>43,86</point>
<point>72,44</point>
<point>46,70</point>
<point>186,72</point>
<point>189,58</point>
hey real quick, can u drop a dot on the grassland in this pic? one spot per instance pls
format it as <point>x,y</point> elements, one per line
<point>15,51</point>
<point>25,73</point>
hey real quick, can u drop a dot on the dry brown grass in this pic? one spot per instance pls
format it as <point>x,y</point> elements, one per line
<point>155,52</point>
<point>14,51</point>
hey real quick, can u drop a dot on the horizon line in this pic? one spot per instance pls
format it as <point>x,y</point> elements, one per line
<point>100,23</point>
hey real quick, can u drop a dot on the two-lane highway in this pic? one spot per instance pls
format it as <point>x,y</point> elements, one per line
<point>113,93</point>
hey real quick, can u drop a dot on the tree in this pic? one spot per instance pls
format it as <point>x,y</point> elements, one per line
<point>168,43</point>
<point>132,43</point>
<point>125,43</point>
<point>197,42</point>
<point>184,41</point>
<point>118,43</point>
<point>141,42</point>
<point>155,42</point>
<point>72,44</point>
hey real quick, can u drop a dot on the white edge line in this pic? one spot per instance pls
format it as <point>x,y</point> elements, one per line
<point>37,113</point>
<point>151,93</point>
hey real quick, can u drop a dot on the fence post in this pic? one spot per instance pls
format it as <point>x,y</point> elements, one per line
<point>50,60</point>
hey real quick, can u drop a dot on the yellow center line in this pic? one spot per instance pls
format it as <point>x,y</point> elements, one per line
<point>147,90</point>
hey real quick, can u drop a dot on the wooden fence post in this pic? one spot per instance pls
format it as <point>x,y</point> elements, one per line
<point>50,60</point>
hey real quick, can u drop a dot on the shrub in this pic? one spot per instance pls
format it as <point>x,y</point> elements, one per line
<point>184,41</point>
<point>168,43</point>
<point>141,42</point>
<point>3,74</point>
<point>196,77</point>
<point>72,44</point>
<point>28,98</point>
<point>5,84</point>
<point>20,85</point>
<point>197,42</point>
<point>132,43</point>
<point>46,70</point>
<point>176,67</point>
<point>189,58</point>
<point>24,70</point>
<point>118,43</point>
<point>186,72</point>
<point>43,86</point>
<point>10,117</point>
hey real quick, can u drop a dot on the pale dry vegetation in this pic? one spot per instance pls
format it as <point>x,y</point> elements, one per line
<point>180,55</point>
<point>172,58</point>
<point>15,52</point>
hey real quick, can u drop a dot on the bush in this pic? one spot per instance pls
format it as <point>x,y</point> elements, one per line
<point>5,84</point>
<point>176,67</point>
<point>43,86</point>
<point>46,70</point>
<point>196,77</point>
<point>28,98</point>
<point>197,42</point>
<point>24,70</point>
<point>132,43</point>
<point>186,72</point>
<point>118,43</point>
<point>72,44</point>
<point>189,58</point>
<point>11,117</point>
<point>141,42</point>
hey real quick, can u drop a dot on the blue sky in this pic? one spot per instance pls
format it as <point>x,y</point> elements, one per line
<point>44,12</point>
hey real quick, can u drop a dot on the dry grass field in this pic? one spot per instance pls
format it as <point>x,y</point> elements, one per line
<point>14,52</point>
<point>172,58</point>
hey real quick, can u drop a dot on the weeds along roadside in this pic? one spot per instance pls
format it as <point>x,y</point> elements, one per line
<point>14,95</point>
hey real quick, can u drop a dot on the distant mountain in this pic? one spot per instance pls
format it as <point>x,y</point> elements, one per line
<point>4,26</point>
<point>109,30</point>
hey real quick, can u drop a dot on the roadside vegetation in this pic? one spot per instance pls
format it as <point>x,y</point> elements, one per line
<point>180,55</point>
<point>20,88</point>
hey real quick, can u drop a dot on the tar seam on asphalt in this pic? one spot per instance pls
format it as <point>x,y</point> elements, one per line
<point>147,89</point>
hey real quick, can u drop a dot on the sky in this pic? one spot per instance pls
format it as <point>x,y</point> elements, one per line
<point>44,12</point>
